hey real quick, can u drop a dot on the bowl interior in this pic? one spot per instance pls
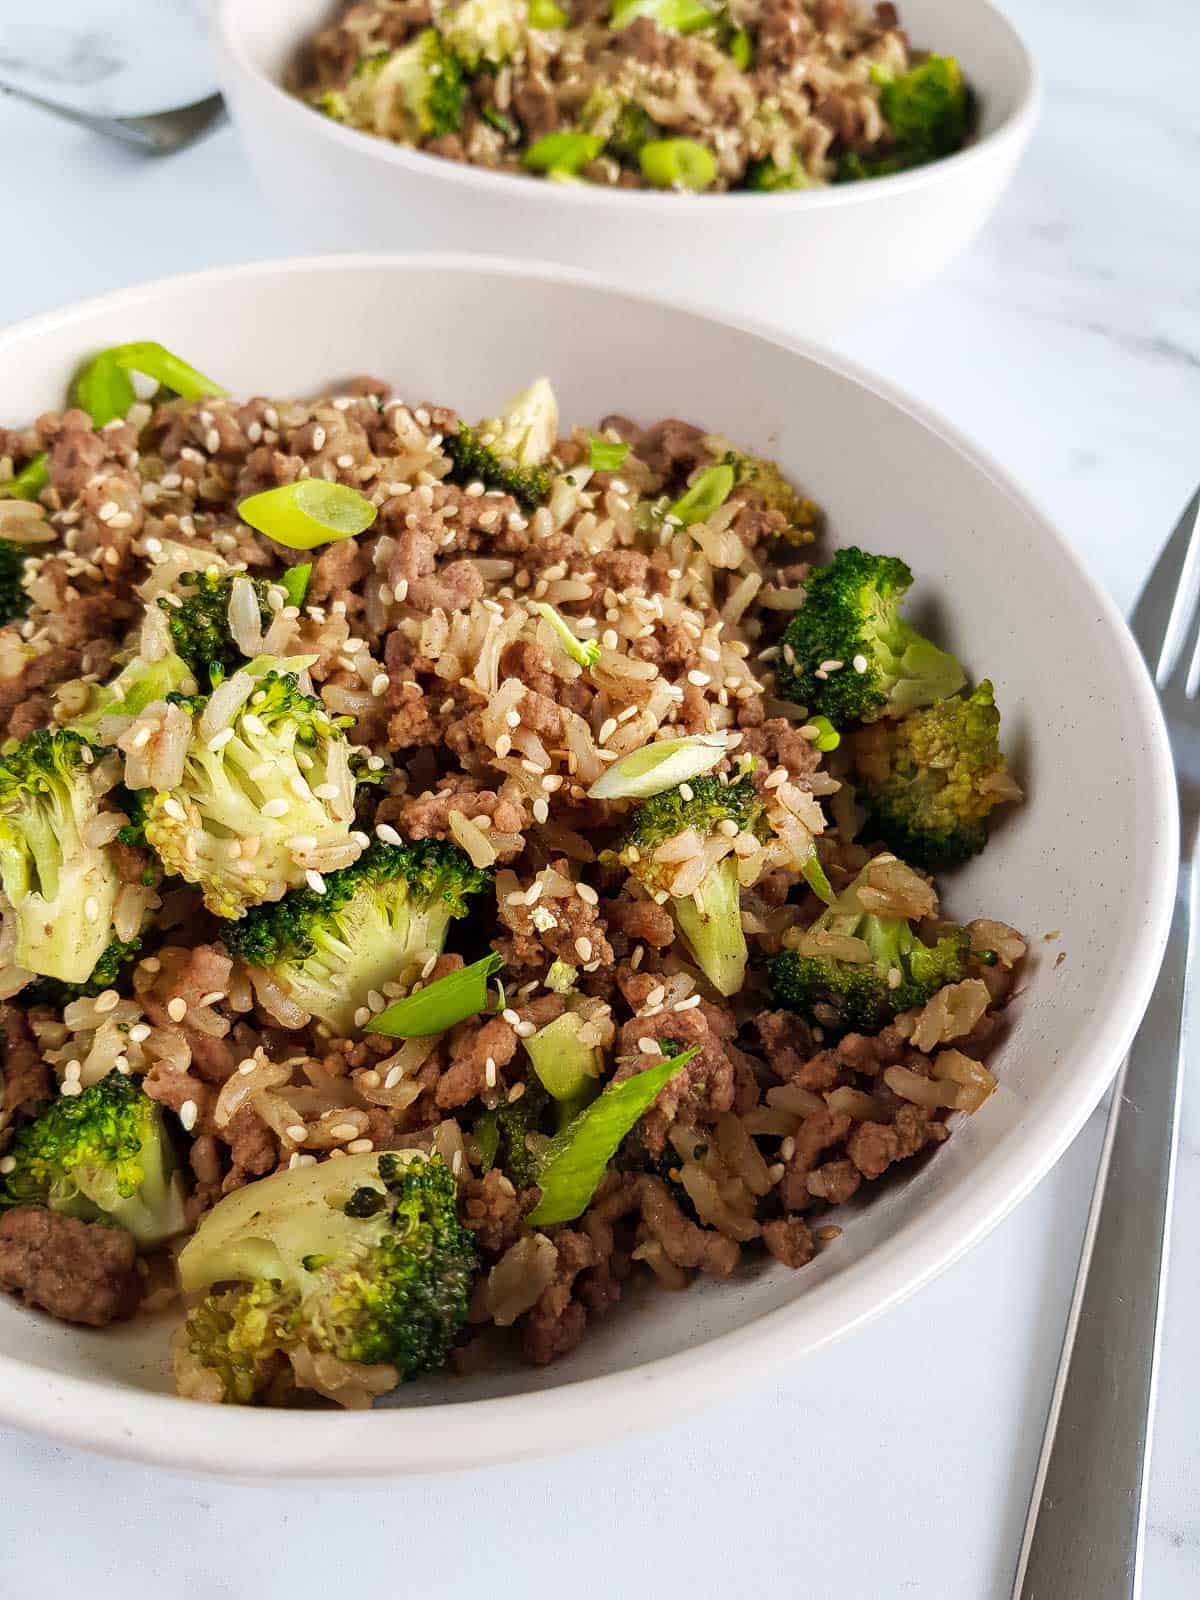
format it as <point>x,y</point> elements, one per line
<point>268,36</point>
<point>1087,861</point>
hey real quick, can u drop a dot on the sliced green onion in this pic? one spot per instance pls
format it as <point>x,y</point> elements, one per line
<point>444,1002</point>
<point>573,1163</point>
<point>563,153</point>
<point>501,123</point>
<point>827,738</point>
<point>710,490</point>
<point>677,164</point>
<point>486,1133</point>
<point>309,512</point>
<point>814,876</point>
<point>294,583</point>
<point>678,16</point>
<point>545,14</point>
<point>659,766</point>
<point>29,482</point>
<point>741,48</point>
<point>567,1069</point>
<point>585,652</point>
<point>607,454</point>
<point>105,390</point>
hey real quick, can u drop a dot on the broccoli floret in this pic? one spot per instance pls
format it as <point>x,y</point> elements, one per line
<point>376,918</point>
<point>104,1156</point>
<point>362,1259</point>
<point>60,890</point>
<point>199,626</point>
<point>709,917</point>
<point>769,486</point>
<point>486,31</point>
<point>847,654</point>
<point>410,94</point>
<point>508,452</point>
<point>503,1134</point>
<point>275,778</point>
<point>929,781</point>
<point>894,972</point>
<point>765,177</point>
<point>14,602</point>
<point>117,955</point>
<point>929,109</point>
<point>137,684</point>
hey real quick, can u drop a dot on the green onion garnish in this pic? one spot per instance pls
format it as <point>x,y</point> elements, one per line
<point>572,1164</point>
<point>444,1002</point>
<point>309,512</point>
<point>658,767</point>
<point>678,16</point>
<point>814,876</point>
<point>710,491</point>
<point>607,454</point>
<point>29,482</point>
<point>585,652</point>
<point>563,153</point>
<point>827,737</point>
<point>677,164</point>
<point>294,583</point>
<point>742,50</point>
<point>545,14</point>
<point>105,390</point>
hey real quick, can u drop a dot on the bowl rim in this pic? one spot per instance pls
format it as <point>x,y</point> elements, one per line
<point>232,1442</point>
<point>1010,134</point>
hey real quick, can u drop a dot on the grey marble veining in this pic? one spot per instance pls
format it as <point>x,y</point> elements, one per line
<point>1068,343</point>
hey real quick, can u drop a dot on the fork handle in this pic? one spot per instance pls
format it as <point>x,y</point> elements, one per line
<point>1085,1528</point>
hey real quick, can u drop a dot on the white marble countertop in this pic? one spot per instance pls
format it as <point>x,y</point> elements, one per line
<point>1068,342</point>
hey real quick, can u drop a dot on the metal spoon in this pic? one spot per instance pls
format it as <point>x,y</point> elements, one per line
<point>157,133</point>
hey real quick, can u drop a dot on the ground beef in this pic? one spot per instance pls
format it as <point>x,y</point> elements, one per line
<point>472,1044</point>
<point>77,1271</point>
<point>335,572</point>
<point>874,1146</point>
<point>537,105</point>
<point>704,1088</point>
<point>817,1133</point>
<point>24,1076</point>
<point>640,920</point>
<point>785,1041</point>
<point>789,1241</point>
<point>671,448</point>
<point>492,1209</point>
<point>454,588</point>
<point>556,1321</point>
<point>778,743</point>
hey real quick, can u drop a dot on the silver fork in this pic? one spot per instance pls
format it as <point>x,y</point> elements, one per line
<point>157,133</point>
<point>1085,1530</point>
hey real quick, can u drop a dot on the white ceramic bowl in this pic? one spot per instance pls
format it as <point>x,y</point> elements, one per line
<point>1091,854</point>
<point>806,263</point>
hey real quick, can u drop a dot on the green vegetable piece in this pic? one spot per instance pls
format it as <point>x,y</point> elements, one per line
<point>709,492</point>
<point>764,177</point>
<point>441,1004</point>
<point>545,14</point>
<point>30,481</point>
<point>563,152</point>
<point>308,513</point>
<point>294,583</point>
<point>606,454</point>
<point>741,48</point>
<point>569,1070</point>
<point>814,876</point>
<point>828,738</point>
<point>14,598</point>
<point>103,1155</point>
<point>501,123</point>
<point>678,16</point>
<point>585,652</point>
<point>677,164</point>
<point>573,1163</point>
<point>105,390</point>
<point>561,977</point>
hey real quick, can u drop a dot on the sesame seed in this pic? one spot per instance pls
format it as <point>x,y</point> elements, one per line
<point>343,1130</point>
<point>583,948</point>
<point>686,1005</point>
<point>388,834</point>
<point>326,791</point>
<point>91,908</point>
<point>727,828</point>
<point>363,1147</point>
<point>253,724</point>
<point>188,1112</point>
<point>393,1077</point>
<point>379,684</point>
<point>656,996</point>
<point>107,1000</point>
<point>298,787</point>
<point>177,1008</point>
<point>831,666</point>
<point>515,1093</point>
<point>650,1047</point>
<point>788,1148</point>
<point>513,719</point>
<point>686,792</point>
<point>587,894</point>
<point>607,729</point>
<point>526,1030</point>
<point>362,1016</point>
<point>859,663</point>
<point>489,1072</point>
<point>503,746</point>
<point>510,1016</point>
<point>220,740</point>
<point>261,771</point>
<point>318,437</point>
<point>213,997</point>
<point>212,441</point>
<point>8,1164</point>
<point>315,881</point>
<point>895,977</point>
<point>139,1032</point>
<point>174,809</point>
<point>275,808</point>
<point>534,893</point>
<point>775,778</point>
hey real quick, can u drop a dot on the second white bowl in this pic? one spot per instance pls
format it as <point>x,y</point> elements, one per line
<point>808,263</point>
